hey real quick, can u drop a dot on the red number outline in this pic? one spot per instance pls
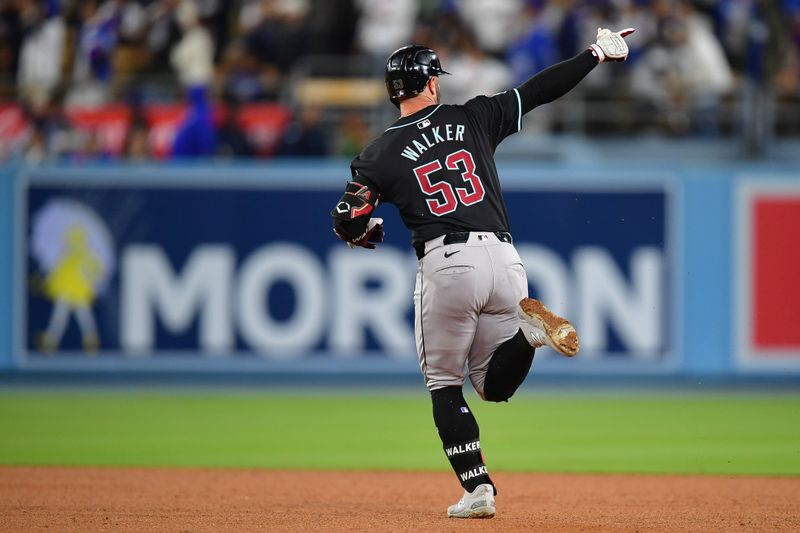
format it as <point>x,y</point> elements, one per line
<point>449,196</point>
<point>477,194</point>
<point>436,207</point>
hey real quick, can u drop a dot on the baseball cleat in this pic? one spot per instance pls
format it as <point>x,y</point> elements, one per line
<point>476,504</point>
<point>543,327</point>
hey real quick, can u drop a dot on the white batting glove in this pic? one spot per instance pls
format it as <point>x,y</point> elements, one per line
<point>611,46</point>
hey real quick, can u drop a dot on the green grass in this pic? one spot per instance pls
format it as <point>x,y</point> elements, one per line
<point>738,434</point>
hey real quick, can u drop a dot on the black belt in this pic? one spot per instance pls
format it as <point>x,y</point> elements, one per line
<point>460,236</point>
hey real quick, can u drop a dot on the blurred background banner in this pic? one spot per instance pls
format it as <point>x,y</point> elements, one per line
<point>167,168</point>
<point>768,259</point>
<point>195,265</point>
<point>228,267</point>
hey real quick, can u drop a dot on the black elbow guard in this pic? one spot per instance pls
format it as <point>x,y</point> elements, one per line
<point>351,214</point>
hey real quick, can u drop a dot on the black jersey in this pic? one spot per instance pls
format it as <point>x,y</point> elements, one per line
<point>437,166</point>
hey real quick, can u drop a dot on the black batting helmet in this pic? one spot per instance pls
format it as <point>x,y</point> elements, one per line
<point>409,69</point>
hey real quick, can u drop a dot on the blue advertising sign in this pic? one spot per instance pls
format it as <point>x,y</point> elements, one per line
<point>135,272</point>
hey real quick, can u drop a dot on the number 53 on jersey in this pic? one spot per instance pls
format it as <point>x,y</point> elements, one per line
<point>445,197</point>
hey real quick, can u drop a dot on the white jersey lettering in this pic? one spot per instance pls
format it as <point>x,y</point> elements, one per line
<point>414,150</point>
<point>410,154</point>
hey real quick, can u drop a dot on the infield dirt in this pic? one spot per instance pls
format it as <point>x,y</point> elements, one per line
<point>156,499</point>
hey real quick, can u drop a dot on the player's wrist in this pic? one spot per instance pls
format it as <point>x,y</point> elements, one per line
<point>597,52</point>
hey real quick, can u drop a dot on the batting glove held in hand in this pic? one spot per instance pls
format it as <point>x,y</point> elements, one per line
<point>371,237</point>
<point>611,46</point>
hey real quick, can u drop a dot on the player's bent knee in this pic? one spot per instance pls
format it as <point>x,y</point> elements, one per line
<point>508,368</point>
<point>477,378</point>
<point>492,394</point>
<point>479,389</point>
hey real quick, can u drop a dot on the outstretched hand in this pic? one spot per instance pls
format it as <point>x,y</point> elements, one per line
<point>611,46</point>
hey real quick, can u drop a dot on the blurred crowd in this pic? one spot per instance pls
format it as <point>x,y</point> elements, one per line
<point>217,58</point>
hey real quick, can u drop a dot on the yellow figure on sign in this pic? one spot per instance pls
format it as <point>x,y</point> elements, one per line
<point>74,252</point>
<point>71,287</point>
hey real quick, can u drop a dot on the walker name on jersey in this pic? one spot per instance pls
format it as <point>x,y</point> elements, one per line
<point>213,272</point>
<point>429,139</point>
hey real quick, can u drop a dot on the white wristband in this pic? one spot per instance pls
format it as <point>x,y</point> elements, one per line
<point>598,52</point>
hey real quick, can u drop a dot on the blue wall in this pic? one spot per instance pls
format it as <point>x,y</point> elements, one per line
<point>707,240</point>
<point>699,226</point>
<point>6,255</point>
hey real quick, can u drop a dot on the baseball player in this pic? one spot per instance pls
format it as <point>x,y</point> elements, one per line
<point>436,165</point>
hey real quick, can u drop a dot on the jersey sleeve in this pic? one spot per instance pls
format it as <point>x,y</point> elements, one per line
<point>498,116</point>
<point>364,170</point>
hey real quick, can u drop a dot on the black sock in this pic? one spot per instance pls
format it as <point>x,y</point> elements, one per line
<point>508,368</point>
<point>459,432</point>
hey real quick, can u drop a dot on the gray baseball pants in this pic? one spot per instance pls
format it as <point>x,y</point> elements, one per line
<point>465,304</point>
